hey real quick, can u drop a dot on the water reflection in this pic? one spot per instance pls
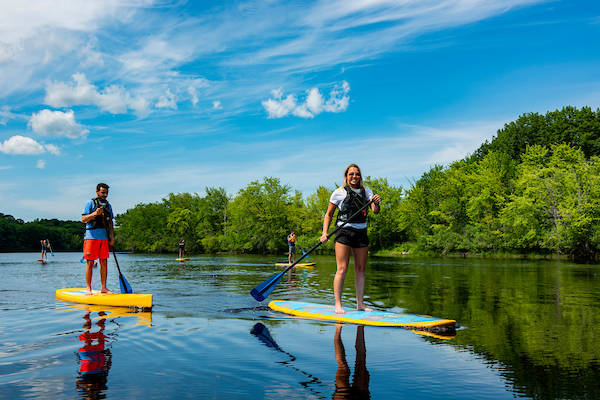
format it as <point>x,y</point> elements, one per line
<point>359,388</point>
<point>313,383</point>
<point>94,359</point>
<point>344,389</point>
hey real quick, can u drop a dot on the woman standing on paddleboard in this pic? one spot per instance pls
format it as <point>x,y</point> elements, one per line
<point>352,238</point>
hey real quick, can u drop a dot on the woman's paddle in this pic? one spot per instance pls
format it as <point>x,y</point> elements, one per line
<point>125,286</point>
<point>263,290</point>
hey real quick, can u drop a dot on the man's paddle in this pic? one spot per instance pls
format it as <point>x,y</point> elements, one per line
<point>125,286</point>
<point>263,290</point>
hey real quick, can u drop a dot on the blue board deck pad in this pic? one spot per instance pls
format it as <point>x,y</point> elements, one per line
<point>373,318</point>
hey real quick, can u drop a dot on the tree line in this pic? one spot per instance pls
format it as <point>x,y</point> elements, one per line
<point>533,189</point>
<point>17,235</point>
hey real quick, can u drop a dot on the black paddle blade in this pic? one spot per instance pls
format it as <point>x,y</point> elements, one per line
<point>263,290</point>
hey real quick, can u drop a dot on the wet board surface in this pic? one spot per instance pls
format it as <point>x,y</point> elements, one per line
<point>374,318</point>
<point>304,265</point>
<point>77,295</point>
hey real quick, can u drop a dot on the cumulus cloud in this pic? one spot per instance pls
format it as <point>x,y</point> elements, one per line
<point>57,123</point>
<point>217,105</point>
<point>169,100</point>
<point>314,104</point>
<point>21,145</point>
<point>41,164</point>
<point>113,99</point>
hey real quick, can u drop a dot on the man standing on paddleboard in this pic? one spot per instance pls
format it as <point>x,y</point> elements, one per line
<point>99,236</point>
<point>352,238</point>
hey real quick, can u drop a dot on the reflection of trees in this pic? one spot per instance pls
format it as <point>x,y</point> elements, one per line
<point>94,359</point>
<point>536,320</point>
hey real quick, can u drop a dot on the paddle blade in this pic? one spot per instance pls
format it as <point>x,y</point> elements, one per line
<point>263,290</point>
<point>125,286</point>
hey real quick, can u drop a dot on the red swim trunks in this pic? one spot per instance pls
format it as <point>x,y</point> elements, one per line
<point>94,249</point>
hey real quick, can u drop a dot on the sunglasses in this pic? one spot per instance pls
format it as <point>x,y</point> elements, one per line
<point>353,174</point>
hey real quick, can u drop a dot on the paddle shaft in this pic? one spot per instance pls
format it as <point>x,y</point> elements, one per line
<point>121,277</point>
<point>363,208</point>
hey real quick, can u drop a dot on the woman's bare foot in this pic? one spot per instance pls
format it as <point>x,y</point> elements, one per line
<point>106,291</point>
<point>88,292</point>
<point>364,308</point>
<point>339,310</point>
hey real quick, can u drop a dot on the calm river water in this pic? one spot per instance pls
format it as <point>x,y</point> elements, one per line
<point>529,329</point>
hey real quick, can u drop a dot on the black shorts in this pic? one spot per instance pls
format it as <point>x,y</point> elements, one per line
<point>355,238</point>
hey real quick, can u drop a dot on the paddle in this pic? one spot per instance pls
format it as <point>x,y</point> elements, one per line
<point>125,286</point>
<point>50,246</point>
<point>263,290</point>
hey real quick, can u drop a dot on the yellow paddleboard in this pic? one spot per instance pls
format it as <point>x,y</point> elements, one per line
<point>77,295</point>
<point>305,265</point>
<point>182,259</point>
<point>374,318</point>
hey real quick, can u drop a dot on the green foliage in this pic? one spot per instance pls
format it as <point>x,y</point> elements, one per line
<point>533,189</point>
<point>16,235</point>
<point>578,128</point>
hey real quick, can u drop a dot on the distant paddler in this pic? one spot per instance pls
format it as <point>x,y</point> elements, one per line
<point>182,249</point>
<point>291,238</point>
<point>45,246</point>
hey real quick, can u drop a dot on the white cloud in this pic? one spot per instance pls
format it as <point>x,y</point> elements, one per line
<point>21,145</point>
<point>41,164</point>
<point>315,104</point>
<point>6,52</point>
<point>217,105</point>
<point>169,100</point>
<point>57,123</point>
<point>113,99</point>
<point>6,115</point>
<point>278,107</point>
<point>89,55</point>
<point>192,91</point>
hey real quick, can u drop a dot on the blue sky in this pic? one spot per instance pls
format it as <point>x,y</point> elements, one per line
<point>159,97</point>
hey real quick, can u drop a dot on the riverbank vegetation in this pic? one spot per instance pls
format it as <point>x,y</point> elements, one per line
<point>534,189</point>
<point>17,235</point>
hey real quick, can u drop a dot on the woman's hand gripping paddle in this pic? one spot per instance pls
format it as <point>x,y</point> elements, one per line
<point>263,290</point>
<point>125,286</point>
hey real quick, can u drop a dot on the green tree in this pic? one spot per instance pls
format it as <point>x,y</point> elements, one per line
<point>259,217</point>
<point>556,203</point>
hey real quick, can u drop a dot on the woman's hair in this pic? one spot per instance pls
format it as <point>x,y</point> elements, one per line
<point>360,183</point>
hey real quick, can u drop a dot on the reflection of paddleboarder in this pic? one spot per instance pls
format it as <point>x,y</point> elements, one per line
<point>359,389</point>
<point>94,359</point>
